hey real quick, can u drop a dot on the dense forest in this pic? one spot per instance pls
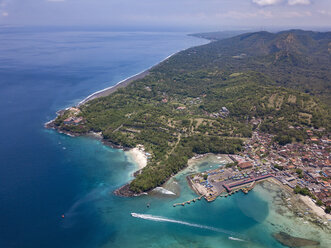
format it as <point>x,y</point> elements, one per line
<point>210,99</point>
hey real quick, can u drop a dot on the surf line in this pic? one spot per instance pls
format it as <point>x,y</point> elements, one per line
<point>163,219</point>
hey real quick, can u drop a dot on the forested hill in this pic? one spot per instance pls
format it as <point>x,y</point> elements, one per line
<point>296,59</point>
<point>210,99</point>
<point>219,35</point>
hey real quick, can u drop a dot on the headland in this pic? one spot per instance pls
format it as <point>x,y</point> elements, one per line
<point>191,104</point>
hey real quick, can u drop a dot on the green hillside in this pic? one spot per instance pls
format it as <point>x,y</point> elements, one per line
<point>296,59</point>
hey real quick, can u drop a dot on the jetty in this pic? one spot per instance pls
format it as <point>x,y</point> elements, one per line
<point>188,202</point>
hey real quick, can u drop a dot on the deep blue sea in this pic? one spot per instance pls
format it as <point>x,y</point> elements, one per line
<point>44,174</point>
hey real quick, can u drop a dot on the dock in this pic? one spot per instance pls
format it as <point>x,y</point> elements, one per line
<point>188,202</point>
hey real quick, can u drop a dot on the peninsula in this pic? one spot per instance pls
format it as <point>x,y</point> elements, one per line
<point>219,98</point>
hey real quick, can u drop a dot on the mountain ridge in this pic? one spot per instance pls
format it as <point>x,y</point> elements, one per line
<point>291,55</point>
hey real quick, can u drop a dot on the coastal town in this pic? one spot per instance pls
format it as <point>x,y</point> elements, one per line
<point>302,167</point>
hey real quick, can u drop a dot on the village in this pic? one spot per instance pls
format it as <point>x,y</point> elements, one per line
<point>304,167</point>
<point>73,118</point>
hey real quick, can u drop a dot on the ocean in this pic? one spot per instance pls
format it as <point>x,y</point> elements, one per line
<point>45,174</point>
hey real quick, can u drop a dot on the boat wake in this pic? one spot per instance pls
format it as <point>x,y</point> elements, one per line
<point>163,219</point>
<point>80,205</point>
<point>236,239</point>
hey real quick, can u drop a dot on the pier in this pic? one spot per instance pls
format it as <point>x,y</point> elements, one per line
<point>188,202</point>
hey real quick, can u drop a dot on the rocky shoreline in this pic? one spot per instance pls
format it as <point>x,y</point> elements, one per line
<point>122,191</point>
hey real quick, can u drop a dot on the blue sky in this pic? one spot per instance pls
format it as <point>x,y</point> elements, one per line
<point>193,14</point>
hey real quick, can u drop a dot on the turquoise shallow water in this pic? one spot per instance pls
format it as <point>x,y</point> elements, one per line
<point>199,224</point>
<point>44,174</point>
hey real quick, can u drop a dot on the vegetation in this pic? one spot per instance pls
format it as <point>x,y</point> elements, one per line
<point>296,59</point>
<point>319,202</point>
<point>229,165</point>
<point>205,99</point>
<point>299,172</point>
<point>302,191</point>
<point>279,167</point>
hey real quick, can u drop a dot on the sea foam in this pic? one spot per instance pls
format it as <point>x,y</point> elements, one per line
<point>163,191</point>
<point>237,239</point>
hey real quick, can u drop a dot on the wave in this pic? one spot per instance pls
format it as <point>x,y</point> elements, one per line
<point>163,191</point>
<point>164,219</point>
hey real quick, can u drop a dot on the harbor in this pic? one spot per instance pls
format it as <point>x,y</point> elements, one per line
<point>227,180</point>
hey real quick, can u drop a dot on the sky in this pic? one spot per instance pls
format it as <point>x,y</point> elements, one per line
<point>192,14</point>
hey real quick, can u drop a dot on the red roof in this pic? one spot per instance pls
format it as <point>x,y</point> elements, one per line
<point>69,119</point>
<point>245,165</point>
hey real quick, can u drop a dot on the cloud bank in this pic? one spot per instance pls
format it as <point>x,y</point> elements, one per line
<point>274,2</point>
<point>192,14</point>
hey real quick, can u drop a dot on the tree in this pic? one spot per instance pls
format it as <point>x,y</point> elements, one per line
<point>299,172</point>
<point>283,139</point>
<point>297,189</point>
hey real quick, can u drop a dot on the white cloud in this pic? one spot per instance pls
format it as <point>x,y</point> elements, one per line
<point>5,14</point>
<point>296,14</point>
<point>295,2</point>
<point>274,2</point>
<point>244,15</point>
<point>55,0</point>
<point>266,2</point>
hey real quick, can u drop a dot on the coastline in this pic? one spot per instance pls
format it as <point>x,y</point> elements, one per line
<point>138,156</point>
<point>107,91</point>
<point>123,83</point>
<point>306,200</point>
<point>316,209</point>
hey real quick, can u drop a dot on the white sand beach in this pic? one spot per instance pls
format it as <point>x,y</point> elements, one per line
<point>138,156</point>
<point>316,209</point>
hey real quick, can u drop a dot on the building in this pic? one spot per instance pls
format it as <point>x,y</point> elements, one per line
<point>245,165</point>
<point>73,120</point>
<point>68,120</point>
